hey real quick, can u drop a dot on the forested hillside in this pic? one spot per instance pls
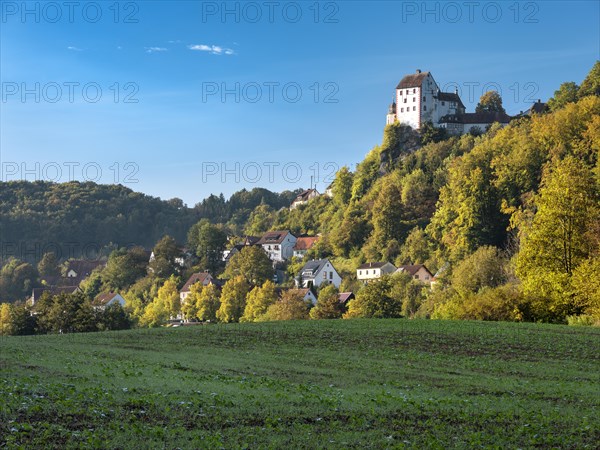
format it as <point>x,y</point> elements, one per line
<point>509,221</point>
<point>70,216</point>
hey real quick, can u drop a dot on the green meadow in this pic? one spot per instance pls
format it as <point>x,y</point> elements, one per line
<point>306,384</point>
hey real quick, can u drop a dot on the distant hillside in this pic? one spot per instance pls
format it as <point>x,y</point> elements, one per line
<point>74,217</point>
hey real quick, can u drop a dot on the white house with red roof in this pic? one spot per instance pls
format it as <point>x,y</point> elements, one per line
<point>303,245</point>
<point>279,245</point>
<point>204,278</point>
<point>105,300</point>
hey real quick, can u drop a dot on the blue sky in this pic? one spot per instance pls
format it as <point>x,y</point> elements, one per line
<point>326,73</point>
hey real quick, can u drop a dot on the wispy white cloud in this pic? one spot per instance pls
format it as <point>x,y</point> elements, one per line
<point>74,49</point>
<point>177,41</point>
<point>155,49</point>
<point>213,49</point>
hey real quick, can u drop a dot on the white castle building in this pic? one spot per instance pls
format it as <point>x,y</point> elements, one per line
<point>419,100</point>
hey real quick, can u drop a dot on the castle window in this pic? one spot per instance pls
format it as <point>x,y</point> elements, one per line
<point>414,99</point>
<point>414,91</point>
<point>443,103</point>
<point>401,109</point>
<point>424,99</point>
<point>404,100</point>
<point>414,108</point>
<point>424,107</point>
<point>400,92</point>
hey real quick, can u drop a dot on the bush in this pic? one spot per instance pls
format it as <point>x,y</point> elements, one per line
<point>583,320</point>
<point>503,303</point>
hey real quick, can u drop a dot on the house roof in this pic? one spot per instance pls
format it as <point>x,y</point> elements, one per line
<point>343,297</point>
<point>373,265</point>
<point>412,269</point>
<point>304,195</point>
<point>305,243</point>
<point>105,298</point>
<point>450,97</point>
<point>83,267</point>
<point>233,251</point>
<point>305,291</point>
<point>480,117</point>
<point>198,277</point>
<point>54,290</point>
<point>273,237</point>
<point>251,240</point>
<point>314,266</point>
<point>538,108</point>
<point>412,80</point>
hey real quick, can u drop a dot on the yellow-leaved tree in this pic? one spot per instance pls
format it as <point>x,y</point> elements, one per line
<point>258,301</point>
<point>558,239</point>
<point>164,306</point>
<point>233,299</point>
<point>5,319</point>
<point>208,303</point>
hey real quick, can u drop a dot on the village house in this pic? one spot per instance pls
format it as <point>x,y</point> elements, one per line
<point>204,278</point>
<point>329,190</point>
<point>279,245</point>
<point>103,301</point>
<point>373,271</point>
<point>538,107</point>
<point>303,245</point>
<point>228,254</point>
<point>248,241</point>
<point>345,297</point>
<point>419,100</point>
<point>318,272</point>
<point>470,122</point>
<point>78,270</point>
<point>37,293</point>
<point>308,295</point>
<point>304,197</point>
<point>417,271</point>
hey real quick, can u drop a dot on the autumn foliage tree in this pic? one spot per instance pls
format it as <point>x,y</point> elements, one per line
<point>558,239</point>
<point>258,301</point>
<point>233,299</point>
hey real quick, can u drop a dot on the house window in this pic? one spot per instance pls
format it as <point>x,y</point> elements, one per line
<point>424,99</point>
<point>360,272</point>
<point>416,277</point>
<point>427,277</point>
<point>331,275</point>
<point>424,107</point>
<point>401,109</point>
<point>324,275</point>
<point>443,103</point>
<point>414,91</point>
<point>414,108</point>
<point>400,92</point>
<point>404,100</point>
<point>414,99</point>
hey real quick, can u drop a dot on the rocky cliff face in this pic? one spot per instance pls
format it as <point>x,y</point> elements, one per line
<point>398,140</point>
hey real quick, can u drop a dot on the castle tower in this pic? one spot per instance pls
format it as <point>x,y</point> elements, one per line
<point>391,115</point>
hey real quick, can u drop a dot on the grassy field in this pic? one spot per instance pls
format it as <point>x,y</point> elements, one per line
<point>309,384</point>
